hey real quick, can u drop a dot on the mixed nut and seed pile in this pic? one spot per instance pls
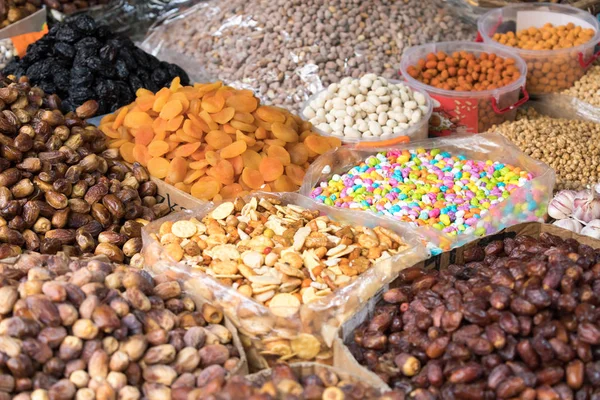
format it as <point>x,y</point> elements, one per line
<point>91,329</point>
<point>518,320</point>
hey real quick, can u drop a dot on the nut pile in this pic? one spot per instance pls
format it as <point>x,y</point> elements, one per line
<point>71,6</point>
<point>15,10</point>
<point>60,188</point>
<point>588,87</point>
<point>283,383</point>
<point>89,329</point>
<point>367,107</point>
<point>288,50</point>
<point>550,72</point>
<point>568,146</point>
<point>214,141</point>
<point>79,61</point>
<point>282,256</point>
<point>464,71</point>
<point>519,320</point>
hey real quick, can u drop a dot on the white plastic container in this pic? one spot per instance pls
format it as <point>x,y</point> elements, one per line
<point>467,112</point>
<point>414,132</point>
<point>548,71</point>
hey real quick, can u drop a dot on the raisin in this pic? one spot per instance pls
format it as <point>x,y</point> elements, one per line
<point>84,24</point>
<point>64,50</point>
<point>67,34</point>
<point>108,53</point>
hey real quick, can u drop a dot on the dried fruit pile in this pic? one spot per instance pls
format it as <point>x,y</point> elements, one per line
<point>80,61</point>
<point>519,320</point>
<point>284,383</point>
<point>60,188</point>
<point>88,329</point>
<point>15,10</point>
<point>214,141</point>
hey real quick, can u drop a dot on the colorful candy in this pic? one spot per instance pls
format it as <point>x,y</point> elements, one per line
<point>426,187</point>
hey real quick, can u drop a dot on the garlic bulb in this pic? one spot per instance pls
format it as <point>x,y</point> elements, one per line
<point>569,224</point>
<point>592,229</point>
<point>586,207</point>
<point>561,206</point>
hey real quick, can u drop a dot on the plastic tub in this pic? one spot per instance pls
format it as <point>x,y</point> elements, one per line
<point>548,71</point>
<point>414,132</point>
<point>467,112</point>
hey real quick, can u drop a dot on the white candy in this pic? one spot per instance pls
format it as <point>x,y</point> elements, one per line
<point>366,107</point>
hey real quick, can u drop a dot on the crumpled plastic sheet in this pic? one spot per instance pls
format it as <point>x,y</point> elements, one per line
<point>526,204</point>
<point>565,106</point>
<point>256,322</point>
<point>133,18</point>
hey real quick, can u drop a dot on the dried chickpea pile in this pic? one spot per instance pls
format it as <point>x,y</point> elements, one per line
<point>548,37</point>
<point>281,256</point>
<point>570,147</point>
<point>464,71</point>
<point>554,73</point>
<point>90,329</point>
<point>285,382</point>
<point>588,87</point>
<point>214,141</point>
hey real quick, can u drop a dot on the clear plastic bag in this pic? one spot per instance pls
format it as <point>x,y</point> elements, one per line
<point>287,50</point>
<point>565,106</point>
<point>261,329</point>
<point>526,204</point>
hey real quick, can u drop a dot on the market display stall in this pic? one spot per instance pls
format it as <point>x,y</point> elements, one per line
<point>299,199</point>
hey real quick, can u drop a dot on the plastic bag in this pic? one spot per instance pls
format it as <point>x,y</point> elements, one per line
<point>288,50</point>
<point>269,334</point>
<point>526,204</point>
<point>133,18</point>
<point>565,106</point>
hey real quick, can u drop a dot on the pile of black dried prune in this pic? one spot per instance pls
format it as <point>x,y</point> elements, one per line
<point>79,61</point>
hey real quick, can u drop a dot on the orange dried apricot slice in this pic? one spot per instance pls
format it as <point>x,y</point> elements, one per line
<point>135,119</point>
<point>284,184</point>
<point>231,191</point>
<point>172,109</point>
<point>284,132</point>
<point>144,135</point>
<point>242,126</point>
<point>213,104</point>
<point>223,116</point>
<point>145,103</point>
<point>218,139</point>
<point>223,171</point>
<point>270,114</point>
<point>141,155</point>
<point>177,170</point>
<point>298,153</point>
<point>246,118</point>
<point>271,168</point>
<point>234,149</point>
<point>205,189</point>
<point>193,175</point>
<point>212,157</point>
<point>242,103</point>
<point>158,167</point>
<point>280,153</point>
<point>252,178</point>
<point>157,148</point>
<point>126,151</point>
<point>295,173</point>
<point>200,164</point>
<point>122,113</point>
<point>251,159</point>
<point>317,144</point>
<point>174,123</point>
<point>187,150</point>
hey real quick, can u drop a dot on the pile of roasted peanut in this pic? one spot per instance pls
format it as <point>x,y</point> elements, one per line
<point>91,329</point>
<point>519,320</point>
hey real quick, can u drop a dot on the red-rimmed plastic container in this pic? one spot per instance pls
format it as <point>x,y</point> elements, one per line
<point>548,71</point>
<point>417,131</point>
<point>467,112</point>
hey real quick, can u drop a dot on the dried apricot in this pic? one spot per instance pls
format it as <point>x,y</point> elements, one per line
<point>223,116</point>
<point>157,148</point>
<point>251,159</point>
<point>135,119</point>
<point>279,153</point>
<point>158,167</point>
<point>284,132</point>
<point>205,189</point>
<point>295,173</point>
<point>126,151</point>
<point>120,117</point>
<point>271,168</point>
<point>213,104</point>
<point>252,178</point>
<point>242,103</point>
<point>218,139</point>
<point>187,150</point>
<point>234,149</point>
<point>231,191</point>
<point>298,153</point>
<point>144,135</point>
<point>141,155</point>
<point>317,144</point>
<point>284,184</point>
<point>175,123</point>
<point>172,109</point>
<point>270,114</point>
<point>224,172</point>
<point>177,170</point>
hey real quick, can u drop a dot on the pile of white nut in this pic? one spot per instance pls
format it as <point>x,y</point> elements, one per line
<point>365,108</point>
<point>7,52</point>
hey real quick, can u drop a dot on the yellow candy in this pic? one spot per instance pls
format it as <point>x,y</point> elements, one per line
<point>445,219</point>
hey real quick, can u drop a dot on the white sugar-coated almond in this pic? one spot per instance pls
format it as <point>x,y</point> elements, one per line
<point>365,106</point>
